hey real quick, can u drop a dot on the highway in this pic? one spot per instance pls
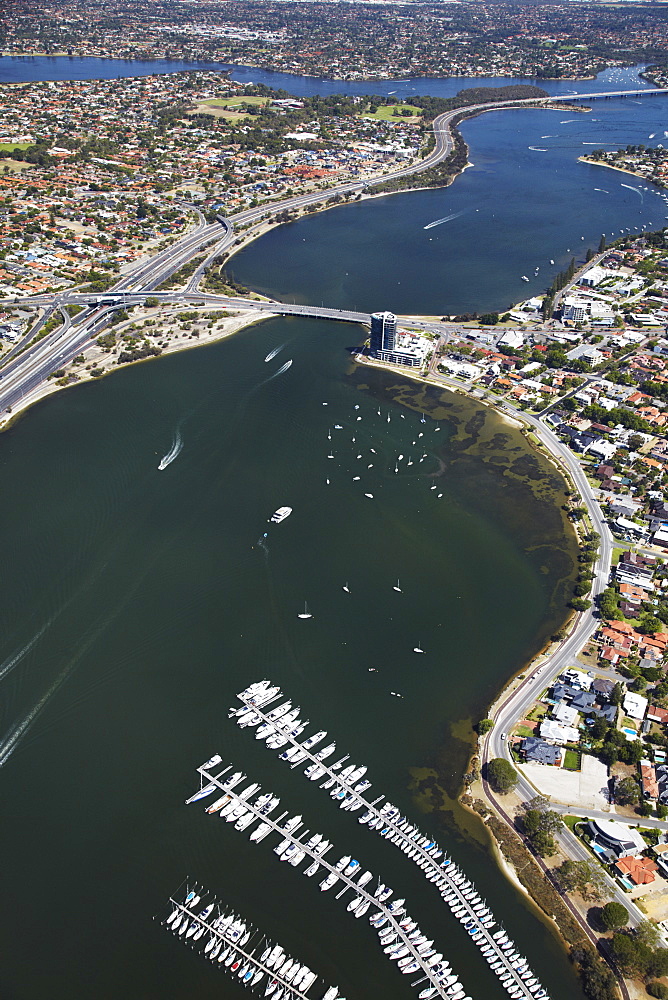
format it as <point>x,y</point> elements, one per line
<point>27,370</point>
<point>29,366</point>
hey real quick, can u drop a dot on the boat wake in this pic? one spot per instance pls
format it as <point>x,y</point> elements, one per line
<point>13,660</point>
<point>11,741</point>
<point>448,218</point>
<point>280,371</point>
<point>602,190</point>
<point>173,452</point>
<point>537,149</point>
<point>630,187</point>
<point>272,354</point>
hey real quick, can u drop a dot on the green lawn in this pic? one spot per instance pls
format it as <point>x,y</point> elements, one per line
<point>229,107</point>
<point>234,102</point>
<point>8,147</point>
<point>523,731</point>
<point>572,821</point>
<point>386,113</point>
<point>572,760</point>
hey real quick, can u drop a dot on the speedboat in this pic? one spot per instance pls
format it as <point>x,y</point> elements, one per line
<point>312,740</point>
<point>280,514</point>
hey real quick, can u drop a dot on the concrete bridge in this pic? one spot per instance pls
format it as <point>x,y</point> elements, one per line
<point>609,94</point>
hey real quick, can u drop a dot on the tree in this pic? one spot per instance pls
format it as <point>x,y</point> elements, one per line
<point>658,990</point>
<point>543,844</point>
<point>614,915</point>
<point>609,754</point>
<point>599,728</point>
<point>579,604</point>
<point>585,877</point>
<point>647,932</point>
<point>651,625</point>
<point>627,953</point>
<point>617,696</point>
<point>501,775</point>
<point>627,792</point>
<point>484,726</point>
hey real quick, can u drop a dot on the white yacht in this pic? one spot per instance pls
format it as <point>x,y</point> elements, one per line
<point>280,514</point>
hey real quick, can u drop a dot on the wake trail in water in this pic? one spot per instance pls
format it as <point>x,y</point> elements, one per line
<point>174,451</point>
<point>11,741</point>
<point>602,190</point>
<point>630,187</point>
<point>448,218</point>
<point>14,660</point>
<point>280,371</point>
<point>272,354</point>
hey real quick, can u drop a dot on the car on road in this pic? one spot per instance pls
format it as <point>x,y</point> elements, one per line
<point>503,736</point>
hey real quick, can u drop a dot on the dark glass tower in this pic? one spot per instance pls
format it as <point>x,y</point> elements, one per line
<point>383,332</point>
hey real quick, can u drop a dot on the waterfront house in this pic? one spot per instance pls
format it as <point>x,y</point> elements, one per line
<point>640,871</point>
<point>615,840</point>
<point>537,751</point>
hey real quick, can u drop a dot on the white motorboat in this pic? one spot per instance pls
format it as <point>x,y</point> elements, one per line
<point>280,514</point>
<point>306,613</point>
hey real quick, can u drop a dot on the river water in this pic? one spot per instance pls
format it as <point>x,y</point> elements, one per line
<point>139,601</point>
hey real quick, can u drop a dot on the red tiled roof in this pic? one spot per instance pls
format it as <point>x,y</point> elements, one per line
<point>639,870</point>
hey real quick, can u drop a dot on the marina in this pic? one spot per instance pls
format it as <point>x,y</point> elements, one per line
<point>345,787</point>
<point>233,944</point>
<point>400,936</point>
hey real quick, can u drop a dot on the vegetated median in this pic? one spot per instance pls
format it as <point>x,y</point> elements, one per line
<point>445,172</point>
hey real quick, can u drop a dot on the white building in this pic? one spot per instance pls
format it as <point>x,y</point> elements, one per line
<point>635,705</point>
<point>565,714</point>
<point>552,730</point>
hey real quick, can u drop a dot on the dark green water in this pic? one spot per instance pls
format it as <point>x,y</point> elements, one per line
<point>137,603</point>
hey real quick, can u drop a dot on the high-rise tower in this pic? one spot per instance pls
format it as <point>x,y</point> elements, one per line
<point>383,332</point>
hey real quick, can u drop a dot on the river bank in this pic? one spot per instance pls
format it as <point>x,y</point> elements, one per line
<point>472,801</point>
<point>174,335</point>
<point>621,170</point>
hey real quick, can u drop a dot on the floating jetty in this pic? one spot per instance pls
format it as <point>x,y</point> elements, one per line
<point>223,937</point>
<point>400,937</point>
<point>280,726</point>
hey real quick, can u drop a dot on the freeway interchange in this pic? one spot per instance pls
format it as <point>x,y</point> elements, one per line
<point>29,365</point>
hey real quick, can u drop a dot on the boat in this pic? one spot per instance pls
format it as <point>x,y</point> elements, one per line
<point>203,792</point>
<point>397,588</point>
<point>280,514</point>
<point>369,495</point>
<point>306,613</point>
<point>346,588</point>
<point>524,277</point>
<point>312,740</point>
<point>416,649</point>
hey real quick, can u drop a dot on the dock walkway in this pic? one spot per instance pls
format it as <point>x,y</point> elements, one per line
<point>387,916</point>
<point>457,891</point>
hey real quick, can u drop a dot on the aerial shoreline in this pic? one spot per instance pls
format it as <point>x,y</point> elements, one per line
<point>230,67</point>
<point>472,797</point>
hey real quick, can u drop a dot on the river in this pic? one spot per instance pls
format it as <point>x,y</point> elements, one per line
<point>139,601</point>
